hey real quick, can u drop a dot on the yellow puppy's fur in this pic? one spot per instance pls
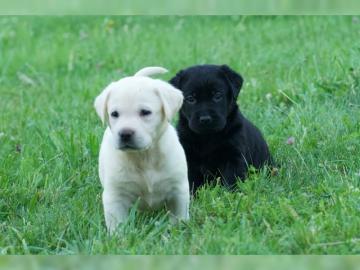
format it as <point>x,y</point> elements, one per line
<point>154,172</point>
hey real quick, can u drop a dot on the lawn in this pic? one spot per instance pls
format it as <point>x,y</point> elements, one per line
<point>302,81</point>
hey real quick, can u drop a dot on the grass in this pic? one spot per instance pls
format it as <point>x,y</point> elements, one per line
<point>302,80</point>
<point>201,7</point>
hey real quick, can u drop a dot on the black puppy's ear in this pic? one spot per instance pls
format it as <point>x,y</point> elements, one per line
<point>234,79</point>
<point>176,81</point>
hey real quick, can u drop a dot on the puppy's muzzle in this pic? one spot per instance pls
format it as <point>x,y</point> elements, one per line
<point>127,140</point>
<point>126,135</point>
<point>205,120</point>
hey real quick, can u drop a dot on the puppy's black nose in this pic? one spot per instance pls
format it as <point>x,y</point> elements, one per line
<point>205,119</point>
<point>126,135</point>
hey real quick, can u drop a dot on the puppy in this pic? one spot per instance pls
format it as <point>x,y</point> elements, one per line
<point>141,159</point>
<point>218,140</point>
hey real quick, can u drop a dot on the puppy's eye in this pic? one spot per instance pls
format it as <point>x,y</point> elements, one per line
<point>190,99</point>
<point>217,96</point>
<point>144,112</point>
<point>115,114</point>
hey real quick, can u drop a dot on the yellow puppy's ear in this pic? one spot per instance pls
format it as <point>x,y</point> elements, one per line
<point>171,98</point>
<point>100,103</point>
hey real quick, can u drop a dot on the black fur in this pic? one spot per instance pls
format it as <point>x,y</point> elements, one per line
<point>218,140</point>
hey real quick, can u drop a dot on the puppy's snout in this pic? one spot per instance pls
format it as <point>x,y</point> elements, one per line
<point>205,119</point>
<point>126,135</point>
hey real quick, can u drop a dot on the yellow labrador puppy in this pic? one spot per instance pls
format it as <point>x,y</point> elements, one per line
<point>141,159</point>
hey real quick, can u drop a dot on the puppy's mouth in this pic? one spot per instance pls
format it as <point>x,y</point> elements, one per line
<point>128,148</point>
<point>131,148</point>
<point>206,130</point>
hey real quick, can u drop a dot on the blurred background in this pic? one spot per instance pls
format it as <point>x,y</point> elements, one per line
<point>165,7</point>
<point>182,262</point>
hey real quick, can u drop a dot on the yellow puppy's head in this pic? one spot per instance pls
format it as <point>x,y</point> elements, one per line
<point>137,108</point>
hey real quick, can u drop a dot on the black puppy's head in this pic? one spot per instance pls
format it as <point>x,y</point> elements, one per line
<point>210,94</point>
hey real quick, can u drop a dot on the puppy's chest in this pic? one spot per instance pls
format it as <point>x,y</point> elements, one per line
<point>210,154</point>
<point>152,187</point>
<point>208,160</point>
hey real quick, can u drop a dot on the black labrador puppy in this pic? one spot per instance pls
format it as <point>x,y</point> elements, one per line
<point>218,140</point>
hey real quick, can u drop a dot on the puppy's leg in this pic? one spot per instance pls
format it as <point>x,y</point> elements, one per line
<point>178,206</point>
<point>231,171</point>
<point>196,179</point>
<point>116,210</point>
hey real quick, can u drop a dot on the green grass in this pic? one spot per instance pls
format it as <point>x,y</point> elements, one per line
<point>203,7</point>
<point>302,79</point>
